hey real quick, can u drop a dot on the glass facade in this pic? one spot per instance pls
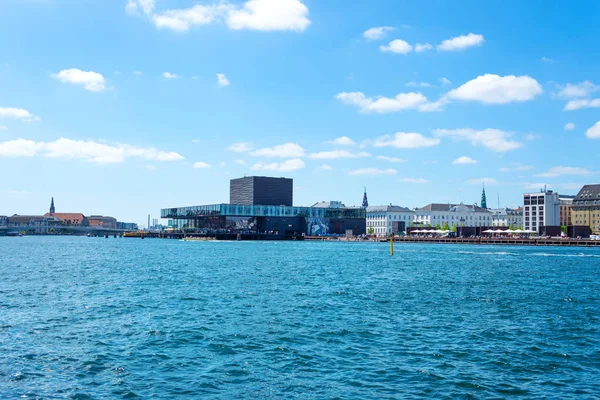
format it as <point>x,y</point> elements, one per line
<point>236,218</point>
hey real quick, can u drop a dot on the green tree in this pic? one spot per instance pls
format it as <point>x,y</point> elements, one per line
<point>428,225</point>
<point>437,226</point>
<point>563,229</point>
<point>453,227</point>
<point>446,227</point>
<point>371,230</point>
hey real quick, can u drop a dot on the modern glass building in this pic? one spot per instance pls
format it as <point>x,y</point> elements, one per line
<point>256,219</point>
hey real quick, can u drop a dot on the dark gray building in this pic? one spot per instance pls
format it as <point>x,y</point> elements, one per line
<point>261,190</point>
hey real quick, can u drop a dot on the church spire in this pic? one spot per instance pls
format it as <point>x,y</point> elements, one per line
<point>52,210</point>
<point>483,199</point>
<point>365,202</point>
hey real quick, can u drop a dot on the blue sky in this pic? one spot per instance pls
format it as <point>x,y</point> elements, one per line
<point>110,105</point>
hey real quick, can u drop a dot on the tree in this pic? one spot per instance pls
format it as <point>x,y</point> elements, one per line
<point>428,225</point>
<point>446,227</point>
<point>371,230</point>
<point>438,227</point>
<point>453,227</point>
<point>563,229</point>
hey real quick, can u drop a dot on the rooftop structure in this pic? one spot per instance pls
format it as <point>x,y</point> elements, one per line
<point>365,202</point>
<point>261,190</point>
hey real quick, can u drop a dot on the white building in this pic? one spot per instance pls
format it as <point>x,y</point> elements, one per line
<point>386,220</point>
<point>507,217</point>
<point>540,210</point>
<point>453,214</point>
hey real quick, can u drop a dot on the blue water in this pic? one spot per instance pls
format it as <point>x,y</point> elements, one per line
<point>98,318</point>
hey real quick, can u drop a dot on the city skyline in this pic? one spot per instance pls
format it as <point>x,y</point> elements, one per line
<point>127,107</point>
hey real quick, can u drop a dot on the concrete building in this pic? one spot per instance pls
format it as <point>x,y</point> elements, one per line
<point>585,210</point>
<point>436,214</point>
<point>507,217</point>
<point>564,209</point>
<point>387,220</point>
<point>541,212</point>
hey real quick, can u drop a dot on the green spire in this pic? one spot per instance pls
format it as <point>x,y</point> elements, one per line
<point>483,199</point>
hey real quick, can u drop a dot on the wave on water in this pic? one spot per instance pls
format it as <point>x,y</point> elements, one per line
<point>565,255</point>
<point>488,253</point>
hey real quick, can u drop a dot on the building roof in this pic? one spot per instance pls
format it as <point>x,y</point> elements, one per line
<point>67,216</point>
<point>506,211</point>
<point>453,208</point>
<point>588,192</point>
<point>329,204</point>
<point>25,218</point>
<point>388,208</point>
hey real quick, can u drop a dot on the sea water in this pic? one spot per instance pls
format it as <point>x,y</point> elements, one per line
<point>91,318</point>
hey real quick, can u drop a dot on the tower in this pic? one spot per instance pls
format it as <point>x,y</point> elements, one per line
<point>52,210</point>
<point>365,202</point>
<point>483,199</point>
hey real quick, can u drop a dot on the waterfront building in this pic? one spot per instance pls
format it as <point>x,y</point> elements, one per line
<point>387,220</point>
<point>564,209</point>
<point>261,190</point>
<point>439,215</point>
<point>541,212</point>
<point>3,221</point>
<point>127,226</point>
<point>266,214</point>
<point>33,223</point>
<point>103,221</point>
<point>507,217</point>
<point>586,208</point>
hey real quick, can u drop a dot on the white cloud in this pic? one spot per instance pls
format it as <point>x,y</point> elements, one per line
<point>100,153</point>
<point>18,148</point>
<point>569,126</point>
<point>390,159</point>
<point>495,89</point>
<point>404,140</point>
<point>419,48</point>
<point>133,6</point>
<point>418,84</point>
<point>343,141</point>
<point>445,81</point>
<point>287,150</point>
<point>582,103</point>
<point>90,80</point>
<point>138,73</point>
<point>382,105</point>
<point>479,181</point>
<point>567,186</point>
<point>240,147</point>
<point>561,171</point>
<point>325,167</point>
<point>377,33</point>
<point>333,154</point>
<point>372,171</point>
<point>464,160</point>
<point>461,42</point>
<point>222,80</point>
<point>262,15</point>
<point>169,75</point>
<point>201,165</point>
<point>18,113</point>
<point>397,46</point>
<point>181,20</point>
<point>574,90</point>
<point>270,15</point>
<point>286,166</point>
<point>414,180</point>
<point>3,128</point>
<point>594,131</point>
<point>493,139</point>
<point>240,162</point>
<point>547,60</point>
<point>516,167</point>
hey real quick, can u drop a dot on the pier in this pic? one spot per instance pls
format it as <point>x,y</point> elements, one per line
<point>500,241</point>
